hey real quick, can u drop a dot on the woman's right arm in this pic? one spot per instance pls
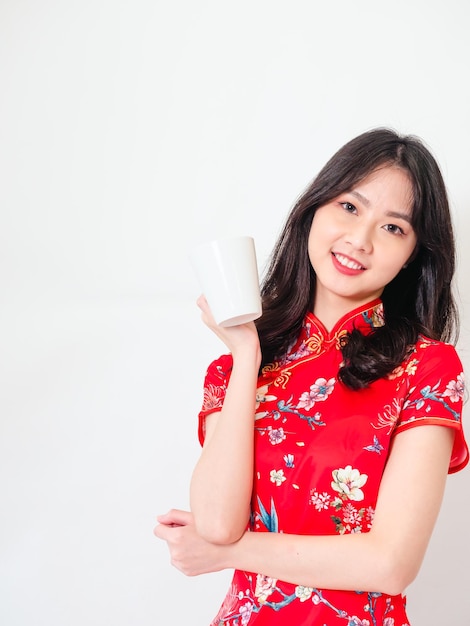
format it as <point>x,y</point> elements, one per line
<point>222,479</point>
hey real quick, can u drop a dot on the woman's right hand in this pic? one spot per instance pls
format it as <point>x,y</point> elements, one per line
<point>240,338</point>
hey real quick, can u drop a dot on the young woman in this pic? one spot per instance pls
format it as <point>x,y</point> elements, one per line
<point>329,428</point>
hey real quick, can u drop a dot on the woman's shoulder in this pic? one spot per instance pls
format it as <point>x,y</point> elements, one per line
<point>435,349</point>
<point>433,356</point>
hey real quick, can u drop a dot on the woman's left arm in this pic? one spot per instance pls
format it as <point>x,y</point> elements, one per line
<point>386,559</point>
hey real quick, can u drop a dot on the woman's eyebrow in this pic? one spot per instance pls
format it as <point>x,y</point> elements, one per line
<point>360,197</point>
<point>366,202</point>
<point>398,215</point>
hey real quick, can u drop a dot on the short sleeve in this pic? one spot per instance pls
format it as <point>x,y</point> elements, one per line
<point>215,387</point>
<point>435,396</point>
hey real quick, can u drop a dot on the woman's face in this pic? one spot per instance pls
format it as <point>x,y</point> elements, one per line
<point>360,240</point>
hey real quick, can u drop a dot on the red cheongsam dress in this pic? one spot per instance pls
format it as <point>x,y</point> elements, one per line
<point>320,451</point>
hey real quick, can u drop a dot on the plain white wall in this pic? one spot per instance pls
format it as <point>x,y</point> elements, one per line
<point>129,132</point>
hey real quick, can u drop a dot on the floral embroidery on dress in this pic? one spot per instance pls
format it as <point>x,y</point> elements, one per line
<point>276,435</point>
<point>429,396</point>
<point>455,389</point>
<point>315,343</point>
<point>270,520</point>
<point>353,520</point>
<point>277,477</point>
<point>320,500</point>
<point>303,593</point>
<point>319,392</point>
<point>390,416</point>
<point>303,350</point>
<point>348,482</point>
<point>264,587</point>
<point>213,397</point>
<point>283,407</point>
<point>375,317</point>
<point>262,395</point>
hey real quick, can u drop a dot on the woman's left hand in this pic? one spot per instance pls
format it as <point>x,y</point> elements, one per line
<point>189,553</point>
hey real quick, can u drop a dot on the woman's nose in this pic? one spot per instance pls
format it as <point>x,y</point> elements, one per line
<point>360,237</point>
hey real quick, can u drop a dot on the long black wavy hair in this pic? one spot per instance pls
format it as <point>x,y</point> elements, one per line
<point>418,300</point>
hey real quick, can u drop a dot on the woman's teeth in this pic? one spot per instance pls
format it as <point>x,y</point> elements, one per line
<point>348,262</point>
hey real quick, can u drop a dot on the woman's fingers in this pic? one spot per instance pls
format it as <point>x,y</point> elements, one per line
<point>175,517</point>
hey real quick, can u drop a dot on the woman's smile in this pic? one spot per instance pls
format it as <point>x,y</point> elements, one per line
<point>346,264</point>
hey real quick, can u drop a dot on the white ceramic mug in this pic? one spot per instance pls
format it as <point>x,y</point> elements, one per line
<point>227,272</point>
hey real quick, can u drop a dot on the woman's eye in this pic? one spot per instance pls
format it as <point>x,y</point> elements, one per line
<point>347,206</point>
<point>394,229</point>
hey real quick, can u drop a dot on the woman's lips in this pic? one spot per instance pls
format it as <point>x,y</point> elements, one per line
<point>346,265</point>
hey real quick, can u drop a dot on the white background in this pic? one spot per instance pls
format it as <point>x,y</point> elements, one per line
<point>129,132</point>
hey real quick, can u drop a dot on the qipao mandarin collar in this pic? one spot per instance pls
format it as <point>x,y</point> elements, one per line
<point>315,338</point>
